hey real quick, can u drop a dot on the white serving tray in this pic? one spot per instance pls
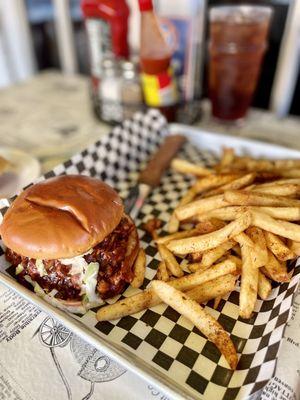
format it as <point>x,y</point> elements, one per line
<point>200,139</point>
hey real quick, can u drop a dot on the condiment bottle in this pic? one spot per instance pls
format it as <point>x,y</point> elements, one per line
<point>106,24</point>
<point>182,22</point>
<point>159,85</point>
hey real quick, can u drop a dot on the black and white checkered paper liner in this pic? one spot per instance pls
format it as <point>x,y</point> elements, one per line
<point>160,336</point>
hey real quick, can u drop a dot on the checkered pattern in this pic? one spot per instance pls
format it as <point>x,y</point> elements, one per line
<point>160,336</point>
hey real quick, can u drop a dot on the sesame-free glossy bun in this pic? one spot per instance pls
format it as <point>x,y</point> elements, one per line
<point>61,217</point>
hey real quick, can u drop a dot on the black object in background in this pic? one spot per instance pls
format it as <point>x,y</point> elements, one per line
<point>41,17</point>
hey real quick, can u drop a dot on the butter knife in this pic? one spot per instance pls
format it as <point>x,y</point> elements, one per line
<point>150,177</point>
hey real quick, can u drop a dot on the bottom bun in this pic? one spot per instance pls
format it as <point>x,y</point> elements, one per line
<point>72,306</point>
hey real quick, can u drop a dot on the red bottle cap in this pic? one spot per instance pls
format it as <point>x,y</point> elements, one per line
<point>145,5</point>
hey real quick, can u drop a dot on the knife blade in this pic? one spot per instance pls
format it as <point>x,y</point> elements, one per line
<point>150,177</point>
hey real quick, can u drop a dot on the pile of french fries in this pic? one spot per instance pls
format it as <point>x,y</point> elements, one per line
<point>238,220</point>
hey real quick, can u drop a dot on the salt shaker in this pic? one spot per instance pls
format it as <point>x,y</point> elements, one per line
<point>110,91</point>
<point>131,91</point>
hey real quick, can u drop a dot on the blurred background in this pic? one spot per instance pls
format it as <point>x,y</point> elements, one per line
<point>33,35</point>
<point>65,77</point>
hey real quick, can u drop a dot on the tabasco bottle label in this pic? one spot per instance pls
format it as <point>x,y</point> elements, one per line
<point>160,90</point>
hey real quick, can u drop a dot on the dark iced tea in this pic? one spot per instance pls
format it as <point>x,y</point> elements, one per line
<point>237,46</point>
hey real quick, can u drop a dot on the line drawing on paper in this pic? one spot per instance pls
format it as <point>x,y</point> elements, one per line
<point>94,366</point>
<point>53,334</point>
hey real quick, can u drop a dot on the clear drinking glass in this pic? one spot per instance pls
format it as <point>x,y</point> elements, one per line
<point>238,41</point>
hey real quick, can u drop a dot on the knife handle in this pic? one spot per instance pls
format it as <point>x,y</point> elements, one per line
<point>161,160</point>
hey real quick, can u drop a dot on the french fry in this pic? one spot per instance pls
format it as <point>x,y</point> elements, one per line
<point>244,240</point>
<point>248,198</point>
<point>211,240</point>
<point>224,213</point>
<point>284,213</point>
<point>250,187</point>
<point>249,283</point>
<point>197,266</point>
<point>170,260</point>
<point>173,224</point>
<point>278,248</point>
<point>278,227</point>
<point>186,167</point>
<point>209,257</point>
<point>287,164</point>
<point>189,281</point>
<point>238,261</point>
<point>264,286</point>
<point>233,212</point>
<point>224,257</point>
<point>139,269</point>
<point>218,287</point>
<point>208,226</point>
<point>238,183</point>
<point>148,298</point>
<point>190,194</point>
<point>201,228</point>
<point>250,164</point>
<point>289,190</point>
<point>213,181</point>
<point>200,207</point>
<point>217,302</point>
<point>292,173</point>
<point>128,306</point>
<point>184,265</point>
<point>280,182</point>
<point>171,263</point>
<point>226,160</point>
<point>176,235</point>
<point>275,270</point>
<point>260,253</point>
<point>162,273</point>
<point>295,247</point>
<point>199,317</point>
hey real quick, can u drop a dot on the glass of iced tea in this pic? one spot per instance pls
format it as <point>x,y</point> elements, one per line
<point>238,41</point>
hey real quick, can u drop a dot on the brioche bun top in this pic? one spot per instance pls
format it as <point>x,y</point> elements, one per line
<point>61,217</point>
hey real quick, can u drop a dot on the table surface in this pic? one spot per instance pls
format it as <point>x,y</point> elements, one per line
<point>50,117</point>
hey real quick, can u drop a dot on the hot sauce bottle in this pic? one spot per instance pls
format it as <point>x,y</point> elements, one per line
<point>159,85</point>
